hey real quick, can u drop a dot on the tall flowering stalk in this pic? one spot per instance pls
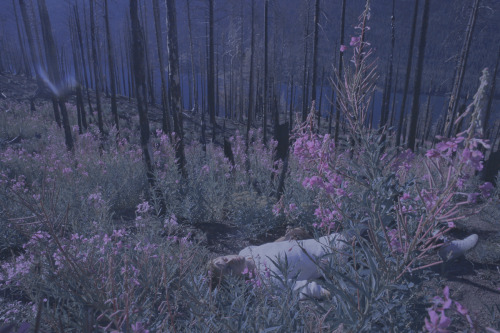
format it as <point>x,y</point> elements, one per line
<point>405,209</point>
<point>443,198</point>
<point>355,88</point>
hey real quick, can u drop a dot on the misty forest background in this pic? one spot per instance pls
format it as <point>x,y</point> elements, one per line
<point>228,51</point>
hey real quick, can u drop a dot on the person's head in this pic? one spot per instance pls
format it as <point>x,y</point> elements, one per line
<point>228,265</point>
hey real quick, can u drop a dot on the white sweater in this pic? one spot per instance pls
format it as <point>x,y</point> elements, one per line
<point>300,264</point>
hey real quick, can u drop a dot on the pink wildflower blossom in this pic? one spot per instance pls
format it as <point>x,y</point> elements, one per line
<point>486,189</point>
<point>355,41</point>
<point>433,153</point>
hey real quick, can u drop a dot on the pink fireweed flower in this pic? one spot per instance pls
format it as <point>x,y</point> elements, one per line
<point>472,197</point>
<point>433,153</point>
<point>343,48</point>
<point>96,198</point>
<point>437,323</point>
<point>464,312</point>
<point>461,309</point>
<point>394,241</point>
<point>473,158</point>
<point>443,304</point>
<point>171,221</point>
<point>486,189</point>
<point>355,41</point>
<point>277,209</point>
<point>449,146</point>
<point>106,239</point>
<point>143,207</point>
<point>67,171</point>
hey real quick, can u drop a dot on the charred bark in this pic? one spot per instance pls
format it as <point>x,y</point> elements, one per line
<point>141,97</point>
<point>340,68</point>
<point>164,97</point>
<point>111,65</point>
<point>174,84</point>
<point>250,84</point>
<point>459,75</point>
<point>51,54</point>
<point>82,55</point>
<point>95,61</point>
<point>315,56</point>
<point>265,108</point>
<point>418,77</point>
<point>407,75</point>
<point>211,66</point>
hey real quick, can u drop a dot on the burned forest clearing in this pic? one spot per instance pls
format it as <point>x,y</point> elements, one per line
<point>249,166</point>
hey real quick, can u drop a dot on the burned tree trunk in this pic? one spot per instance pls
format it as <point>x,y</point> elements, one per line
<point>164,97</point>
<point>250,87</point>
<point>418,77</point>
<point>111,65</point>
<point>191,49</point>
<point>95,60</point>
<point>36,60</point>
<point>459,76</point>
<point>408,73</point>
<point>384,115</point>
<point>82,119</point>
<point>265,109</point>
<point>27,67</point>
<point>315,56</point>
<point>29,34</point>
<point>51,54</point>
<point>149,72</point>
<point>340,67</point>
<point>140,84</point>
<point>82,53</point>
<point>321,97</point>
<point>487,113</point>
<point>211,64</point>
<point>174,84</point>
<point>290,113</point>
<point>305,87</point>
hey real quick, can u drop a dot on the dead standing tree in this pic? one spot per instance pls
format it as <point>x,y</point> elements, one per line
<point>418,77</point>
<point>95,61</point>
<point>82,54</point>
<point>31,44</point>
<point>408,73</point>
<point>111,65</point>
<point>191,48</point>
<point>175,86</point>
<point>459,76</point>
<point>27,67</point>
<point>51,55</point>
<point>265,109</point>
<point>250,88</point>
<point>211,62</point>
<point>164,97</point>
<point>340,68</point>
<point>315,58</point>
<point>80,107</point>
<point>140,89</point>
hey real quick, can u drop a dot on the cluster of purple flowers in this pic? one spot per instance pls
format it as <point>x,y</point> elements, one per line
<point>438,322</point>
